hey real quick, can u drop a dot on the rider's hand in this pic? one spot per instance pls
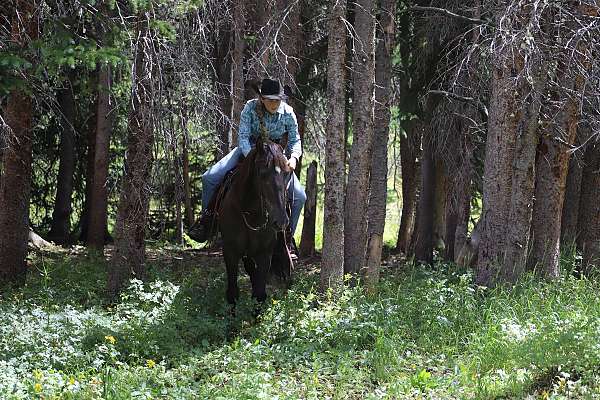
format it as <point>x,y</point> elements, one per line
<point>292,163</point>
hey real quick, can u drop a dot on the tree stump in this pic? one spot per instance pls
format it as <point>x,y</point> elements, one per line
<point>307,243</point>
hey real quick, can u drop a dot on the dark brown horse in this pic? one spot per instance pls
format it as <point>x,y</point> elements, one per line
<point>252,217</point>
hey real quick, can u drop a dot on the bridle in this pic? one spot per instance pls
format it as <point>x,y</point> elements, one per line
<point>264,213</point>
<point>263,210</point>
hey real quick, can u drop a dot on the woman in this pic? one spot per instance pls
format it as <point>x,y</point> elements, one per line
<point>278,119</point>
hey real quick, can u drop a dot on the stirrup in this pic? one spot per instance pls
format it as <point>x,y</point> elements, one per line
<point>291,247</point>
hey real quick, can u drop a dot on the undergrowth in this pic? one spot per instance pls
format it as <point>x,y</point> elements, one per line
<point>428,332</point>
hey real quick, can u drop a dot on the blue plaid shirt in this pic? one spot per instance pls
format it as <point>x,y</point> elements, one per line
<point>284,120</point>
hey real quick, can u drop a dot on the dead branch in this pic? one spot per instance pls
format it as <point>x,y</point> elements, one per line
<point>480,106</point>
<point>448,13</point>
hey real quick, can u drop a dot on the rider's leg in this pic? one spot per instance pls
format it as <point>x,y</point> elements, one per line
<point>210,180</point>
<point>298,196</point>
<point>215,174</point>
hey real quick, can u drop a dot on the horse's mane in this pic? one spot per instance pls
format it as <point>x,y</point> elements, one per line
<point>274,157</point>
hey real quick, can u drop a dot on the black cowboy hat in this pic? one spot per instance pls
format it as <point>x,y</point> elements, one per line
<point>272,89</point>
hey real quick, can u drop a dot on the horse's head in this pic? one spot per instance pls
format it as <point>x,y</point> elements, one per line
<point>271,179</point>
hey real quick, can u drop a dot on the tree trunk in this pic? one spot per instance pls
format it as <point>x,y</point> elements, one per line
<point>463,197</point>
<point>440,208</point>
<point>553,162</point>
<point>99,201</point>
<point>551,175</point>
<point>84,221</point>
<point>130,250</point>
<point>187,188</point>
<point>61,216</point>
<point>300,111</point>
<point>332,264</point>
<point>357,191</point>
<point>589,213</point>
<point>451,220</point>
<point>573,189</point>
<point>286,61</point>
<point>257,51</point>
<point>521,202</point>
<point>237,70</point>
<point>307,243</point>
<point>178,183</point>
<point>4,132</point>
<point>425,224</point>
<point>410,184</point>
<point>223,76</point>
<point>379,161</point>
<point>15,183</point>
<point>509,163</point>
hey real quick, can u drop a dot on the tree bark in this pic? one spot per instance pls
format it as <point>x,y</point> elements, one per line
<point>286,62</point>
<point>99,201</point>
<point>332,263</point>
<point>570,211</point>
<point>61,216</point>
<point>357,191</point>
<point>84,221</point>
<point>129,257</point>
<point>451,220</point>
<point>553,161</point>
<point>521,202</point>
<point>551,175</point>
<point>589,214</point>
<point>307,243</point>
<point>463,196</point>
<point>440,208</point>
<point>178,183</point>
<point>223,79</point>
<point>509,163</point>
<point>130,249</point>
<point>425,214</point>
<point>15,183</point>
<point>410,171</point>
<point>379,161</point>
<point>187,188</point>
<point>237,70</point>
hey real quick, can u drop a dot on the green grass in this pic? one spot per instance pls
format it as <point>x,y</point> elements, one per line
<point>427,333</point>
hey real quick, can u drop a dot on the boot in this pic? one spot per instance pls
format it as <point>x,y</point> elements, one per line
<point>201,230</point>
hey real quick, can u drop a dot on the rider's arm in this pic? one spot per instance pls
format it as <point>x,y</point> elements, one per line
<point>245,128</point>
<point>294,147</point>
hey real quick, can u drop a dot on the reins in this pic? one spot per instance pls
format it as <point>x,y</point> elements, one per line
<point>264,212</point>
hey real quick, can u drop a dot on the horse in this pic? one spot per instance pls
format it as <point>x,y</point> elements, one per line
<point>252,217</point>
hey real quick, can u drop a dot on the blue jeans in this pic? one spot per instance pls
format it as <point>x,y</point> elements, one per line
<point>215,174</point>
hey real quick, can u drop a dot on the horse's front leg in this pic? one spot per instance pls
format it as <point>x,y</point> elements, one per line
<point>232,260</point>
<point>259,283</point>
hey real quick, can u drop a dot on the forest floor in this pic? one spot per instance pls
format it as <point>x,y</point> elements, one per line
<point>427,333</point>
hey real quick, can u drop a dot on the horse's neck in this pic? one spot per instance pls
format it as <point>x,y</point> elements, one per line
<point>246,190</point>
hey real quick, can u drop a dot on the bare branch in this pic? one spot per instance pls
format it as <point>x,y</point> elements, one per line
<point>451,14</point>
<point>480,106</point>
